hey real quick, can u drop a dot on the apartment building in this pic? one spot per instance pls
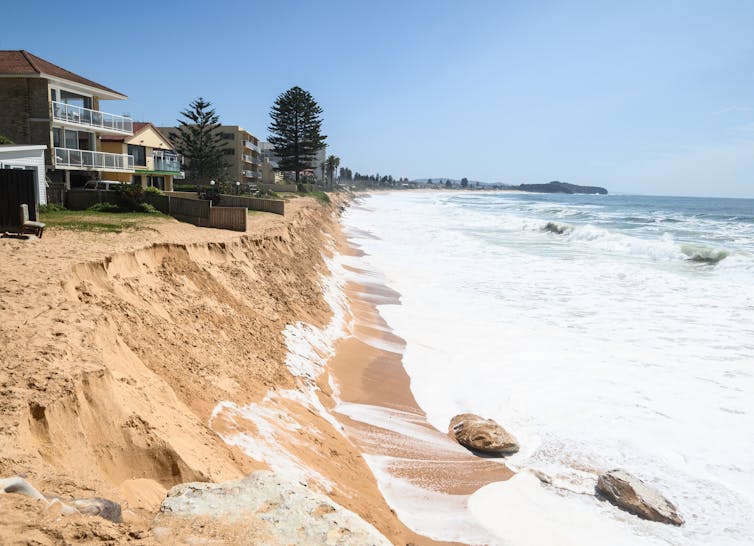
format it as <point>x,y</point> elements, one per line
<point>44,104</point>
<point>270,164</point>
<point>241,153</point>
<point>156,163</point>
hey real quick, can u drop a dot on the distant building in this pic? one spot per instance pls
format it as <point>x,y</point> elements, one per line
<point>156,163</point>
<point>44,104</point>
<point>241,153</point>
<point>269,157</point>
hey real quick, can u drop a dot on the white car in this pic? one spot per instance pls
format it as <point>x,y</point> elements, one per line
<point>103,184</point>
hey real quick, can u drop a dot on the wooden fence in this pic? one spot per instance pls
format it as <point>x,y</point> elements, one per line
<point>83,199</point>
<point>275,206</point>
<point>228,218</point>
<point>184,194</point>
<point>17,187</point>
<point>191,210</point>
<point>278,187</point>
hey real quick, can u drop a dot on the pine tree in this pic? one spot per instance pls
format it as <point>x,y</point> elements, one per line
<point>199,143</point>
<point>296,130</point>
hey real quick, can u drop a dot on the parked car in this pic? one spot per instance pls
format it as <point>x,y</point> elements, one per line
<point>103,184</point>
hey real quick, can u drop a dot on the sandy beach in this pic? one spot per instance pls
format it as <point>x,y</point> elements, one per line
<point>120,351</point>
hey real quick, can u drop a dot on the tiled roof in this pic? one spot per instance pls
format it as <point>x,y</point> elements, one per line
<point>23,63</point>
<point>138,126</point>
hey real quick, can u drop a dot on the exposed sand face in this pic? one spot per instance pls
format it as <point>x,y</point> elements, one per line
<point>424,474</point>
<point>117,350</point>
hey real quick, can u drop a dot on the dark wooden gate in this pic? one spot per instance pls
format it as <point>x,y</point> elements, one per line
<point>17,186</point>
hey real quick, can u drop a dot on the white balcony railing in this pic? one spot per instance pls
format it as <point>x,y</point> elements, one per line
<point>78,115</point>
<point>250,145</point>
<point>248,159</point>
<point>87,159</point>
<point>250,174</point>
<point>166,161</point>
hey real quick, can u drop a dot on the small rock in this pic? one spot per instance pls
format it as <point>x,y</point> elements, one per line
<point>629,493</point>
<point>97,506</point>
<point>484,435</point>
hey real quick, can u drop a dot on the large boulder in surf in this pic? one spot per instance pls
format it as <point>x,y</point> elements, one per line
<point>629,493</point>
<point>483,435</point>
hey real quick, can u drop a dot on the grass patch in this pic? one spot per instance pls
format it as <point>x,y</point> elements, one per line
<point>101,222</point>
<point>321,196</point>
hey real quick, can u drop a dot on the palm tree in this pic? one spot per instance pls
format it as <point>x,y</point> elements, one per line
<point>332,162</point>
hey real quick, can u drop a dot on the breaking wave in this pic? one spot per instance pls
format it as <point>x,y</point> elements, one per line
<point>704,254</point>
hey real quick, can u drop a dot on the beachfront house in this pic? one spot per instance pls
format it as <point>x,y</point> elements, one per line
<point>44,104</point>
<point>155,161</point>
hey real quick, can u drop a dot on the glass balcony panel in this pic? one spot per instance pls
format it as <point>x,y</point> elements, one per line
<point>87,159</point>
<point>91,118</point>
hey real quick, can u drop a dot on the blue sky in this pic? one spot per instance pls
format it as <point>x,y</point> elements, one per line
<point>640,97</point>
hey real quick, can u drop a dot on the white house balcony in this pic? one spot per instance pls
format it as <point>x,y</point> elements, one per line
<point>248,159</point>
<point>250,174</point>
<point>77,116</point>
<point>68,158</point>
<point>250,145</point>
<point>166,161</point>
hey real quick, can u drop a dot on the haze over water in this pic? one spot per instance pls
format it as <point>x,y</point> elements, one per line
<point>626,341</point>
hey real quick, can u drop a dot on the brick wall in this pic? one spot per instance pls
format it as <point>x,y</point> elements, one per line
<point>25,112</point>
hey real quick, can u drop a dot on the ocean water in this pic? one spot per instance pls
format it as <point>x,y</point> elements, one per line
<point>619,336</point>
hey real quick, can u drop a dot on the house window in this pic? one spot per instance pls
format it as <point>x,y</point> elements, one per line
<point>139,153</point>
<point>75,99</point>
<point>71,139</point>
<point>229,151</point>
<point>228,136</point>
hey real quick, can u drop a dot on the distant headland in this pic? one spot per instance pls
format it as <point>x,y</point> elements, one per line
<point>559,187</point>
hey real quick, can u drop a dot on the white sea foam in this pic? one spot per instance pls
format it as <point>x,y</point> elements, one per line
<point>309,349</point>
<point>436,515</point>
<point>603,347</point>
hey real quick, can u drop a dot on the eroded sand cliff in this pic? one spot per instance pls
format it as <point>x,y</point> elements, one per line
<point>117,348</point>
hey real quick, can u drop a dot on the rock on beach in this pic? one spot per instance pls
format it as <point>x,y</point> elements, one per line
<point>629,493</point>
<point>260,509</point>
<point>483,435</point>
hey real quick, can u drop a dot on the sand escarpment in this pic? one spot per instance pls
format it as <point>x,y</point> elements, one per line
<point>119,346</point>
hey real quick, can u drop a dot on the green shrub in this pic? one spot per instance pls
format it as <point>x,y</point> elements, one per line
<point>129,196</point>
<point>146,207</point>
<point>152,189</point>
<point>321,196</point>
<point>49,207</point>
<point>185,187</point>
<point>105,207</point>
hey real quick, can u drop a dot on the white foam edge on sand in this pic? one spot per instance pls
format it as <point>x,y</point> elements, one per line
<point>436,515</point>
<point>523,511</point>
<point>309,349</point>
<point>263,444</point>
<point>400,422</point>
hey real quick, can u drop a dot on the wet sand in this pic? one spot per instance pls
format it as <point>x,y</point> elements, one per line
<point>414,463</point>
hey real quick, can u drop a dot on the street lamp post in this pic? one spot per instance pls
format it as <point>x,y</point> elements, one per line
<point>238,188</point>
